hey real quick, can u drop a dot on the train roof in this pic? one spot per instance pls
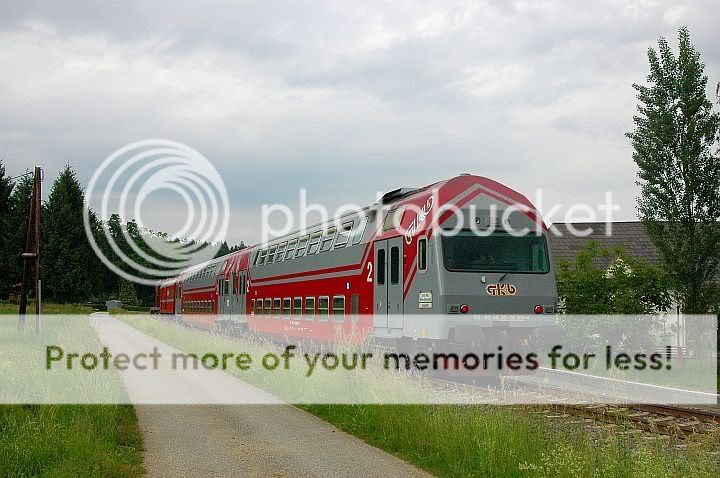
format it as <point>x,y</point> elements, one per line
<point>450,189</point>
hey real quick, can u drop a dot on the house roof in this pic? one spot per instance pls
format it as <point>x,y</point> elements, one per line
<point>630,235</point>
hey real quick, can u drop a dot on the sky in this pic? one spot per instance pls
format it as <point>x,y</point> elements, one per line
<point>343,98</point>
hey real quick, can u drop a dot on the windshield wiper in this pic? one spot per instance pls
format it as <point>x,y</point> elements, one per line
<point>503,276</point>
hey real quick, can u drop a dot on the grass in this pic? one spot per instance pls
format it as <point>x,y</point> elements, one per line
<point>44,440</point>
<point>69,441</point>
<point>479,441</point>
<point>476,441</point>
<point>118,311</point>
<point>9,308</point>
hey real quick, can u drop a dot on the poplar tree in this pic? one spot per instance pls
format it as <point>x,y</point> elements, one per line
<point>675,149</point>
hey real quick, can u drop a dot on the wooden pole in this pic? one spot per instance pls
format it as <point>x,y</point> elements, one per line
<point>38,217</point>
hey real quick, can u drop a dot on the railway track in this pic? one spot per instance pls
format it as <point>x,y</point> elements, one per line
<point>670,420</point>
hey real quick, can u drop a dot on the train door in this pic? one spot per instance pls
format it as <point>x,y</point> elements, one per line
<point>237,302</point>
<point>388,283</point>
<point>178,298</point>
<point>224,288</point>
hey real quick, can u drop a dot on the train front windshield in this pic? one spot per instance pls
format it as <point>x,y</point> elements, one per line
<point>498,252</point>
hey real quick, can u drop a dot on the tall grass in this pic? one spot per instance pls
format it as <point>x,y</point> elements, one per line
<point>69,441</point>
<point>47,308</point>
<point>503,441</point>
<point>60,440</point>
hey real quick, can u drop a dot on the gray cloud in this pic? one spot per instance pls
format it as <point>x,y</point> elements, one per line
<point>343,98</point>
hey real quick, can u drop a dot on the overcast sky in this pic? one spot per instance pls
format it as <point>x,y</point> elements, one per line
<point>343,98</point>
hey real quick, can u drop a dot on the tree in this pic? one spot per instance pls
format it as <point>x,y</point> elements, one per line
<point>127,293</point>
<point>17,225</point>
<point>608,281</point>
<point>223,250</point>
<point>68,259</point>
<point>6,187</point>
<point>679,172</point>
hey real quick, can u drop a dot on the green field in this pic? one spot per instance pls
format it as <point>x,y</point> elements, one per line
<point>479,441</point>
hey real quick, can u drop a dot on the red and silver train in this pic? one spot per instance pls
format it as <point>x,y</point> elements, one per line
<point>438,263</point>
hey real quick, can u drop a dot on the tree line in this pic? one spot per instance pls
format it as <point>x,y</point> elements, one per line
<point>71,271</point>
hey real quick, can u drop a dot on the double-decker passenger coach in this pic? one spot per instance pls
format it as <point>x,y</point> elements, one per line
<point>452,261</point>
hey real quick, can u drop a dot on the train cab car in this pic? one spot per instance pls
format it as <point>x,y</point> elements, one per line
<point>473,264</point>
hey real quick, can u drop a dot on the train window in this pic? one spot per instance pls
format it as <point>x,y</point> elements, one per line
<point>327,240</point>
<point>276,306</point>
<point>271,255</point>
<point>290,248</point>
<point>422,254</point>
<point>309,308</point>
<point>380,267</point>
<point>466,251</point>
<point>280,255</point>
<point>261,260</point>
<point>302,243</point>
<point>358,235</point>
<point>252,306</point>
<point>393,219</point>
<point>394,265</point>
<point>343,235</point>
<point>314,243</point>
<point>338,308</point>
<point>323,307</point>
<point>268,307</point>
<point>286,306</point>
<point>297,306</point>
<point>227,286</point>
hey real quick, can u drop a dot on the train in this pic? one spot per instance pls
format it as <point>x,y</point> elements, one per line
<point>451,262</point>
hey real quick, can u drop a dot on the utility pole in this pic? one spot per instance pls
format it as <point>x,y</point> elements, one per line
<point>32,251</point>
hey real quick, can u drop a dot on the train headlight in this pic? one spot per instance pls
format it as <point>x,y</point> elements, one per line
<point>539,309</point>
<point>464,308</point>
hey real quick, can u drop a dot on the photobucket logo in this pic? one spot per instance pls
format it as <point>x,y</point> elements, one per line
<point>127,179</point>
<point>448,218</point>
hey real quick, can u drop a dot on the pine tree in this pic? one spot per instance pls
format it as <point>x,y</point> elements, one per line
<point>68,259</point>
<point>127,293</point>
<point>6,187</point>
<point>17,223</point>
<point>104,280</point>
<point>223,250</point>
<point>675,150</point>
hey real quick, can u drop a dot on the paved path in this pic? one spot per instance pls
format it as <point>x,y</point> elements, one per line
<point>237,440</point>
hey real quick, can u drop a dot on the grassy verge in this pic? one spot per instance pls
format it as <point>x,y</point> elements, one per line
<point>47,308</point>
<point>502,441</point>
<point>61,440</point>
<point>69,441</point>
<point>478,441</point>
